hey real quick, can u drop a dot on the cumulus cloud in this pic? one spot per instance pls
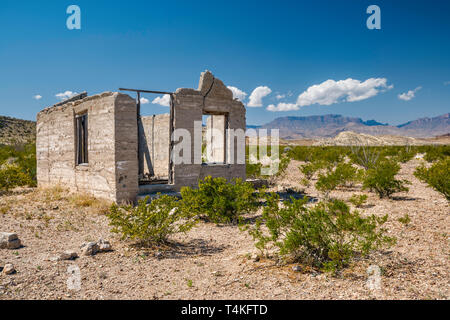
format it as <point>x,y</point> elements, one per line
<point>144,101</point>
<point>238,93</point>
<point>283,107</point>
<point>162,101</point>
<point>350,90</point>
<point>257,95</point>
<point>409,95</point>
<point>280,96</point>
<point>330,92</point>
<point>37,97</point>
<point>66,95</point>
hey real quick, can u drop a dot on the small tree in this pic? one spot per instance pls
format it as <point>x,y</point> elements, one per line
<point>381,179</point>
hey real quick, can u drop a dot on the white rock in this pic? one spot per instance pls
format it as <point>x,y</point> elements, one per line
<point>90,248</point>
<point>104,246</point>
<point>9,241</point>
<point>9,269</point>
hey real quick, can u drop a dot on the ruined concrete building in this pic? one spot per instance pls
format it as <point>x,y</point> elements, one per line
<point>102,145</point>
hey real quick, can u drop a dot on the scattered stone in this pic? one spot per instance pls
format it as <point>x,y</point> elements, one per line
<point>296,268</point>
<point>90,248</point>
<point>67,255</point>
<point>9,269</point>
<point>256,257</point>
<point>104,246</point>
<point>9,241</point>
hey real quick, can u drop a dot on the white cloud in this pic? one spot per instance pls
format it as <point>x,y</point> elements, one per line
<point>280,96</point>
<point>409,95</point>
<point>237,93</point>
<point>257,95</point>
<point>350,90</point>
<point>447,83</point>
<point>331,91</point>
<point>144,101</point>
<point>37,97</point>
<point>283,107</point>
<point>162,101</point>
<point>66,95</point>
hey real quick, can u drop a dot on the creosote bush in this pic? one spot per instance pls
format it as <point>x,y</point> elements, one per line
<point>437,176</point>
<point>381,179</point>
<point>219,201</point>
<point>12,176</point>
<point>17,166</point>
<point>150,223</point>
<point>358,200</point>
<point>436,153</point>
<point>326,236</point>
<point>343,175</point>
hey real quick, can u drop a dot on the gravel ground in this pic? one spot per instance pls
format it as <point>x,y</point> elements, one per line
<point>213,262</point>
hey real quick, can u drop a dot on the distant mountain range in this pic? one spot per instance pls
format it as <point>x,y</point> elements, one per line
<point>313,127</point>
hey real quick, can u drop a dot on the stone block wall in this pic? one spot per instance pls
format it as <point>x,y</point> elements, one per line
<point>112,147</point>
<point>212,97</point>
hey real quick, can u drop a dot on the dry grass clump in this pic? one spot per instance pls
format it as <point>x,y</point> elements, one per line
<point>84,200</point>
<point>51,194</point>
<point>59,196</point>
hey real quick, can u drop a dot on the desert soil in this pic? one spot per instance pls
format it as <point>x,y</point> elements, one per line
<point>214,262</point>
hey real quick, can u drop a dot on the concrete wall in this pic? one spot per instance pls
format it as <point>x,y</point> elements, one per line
<point>112,147</point>
<point>113,168</point>
<point>126,148</point>
<point>154,145</point>
<point>212,97</point>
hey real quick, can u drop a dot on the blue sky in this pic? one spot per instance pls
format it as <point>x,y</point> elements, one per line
<point>287,46</point>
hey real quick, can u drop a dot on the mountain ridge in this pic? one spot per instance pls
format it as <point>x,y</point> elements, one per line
<point>330,125</point>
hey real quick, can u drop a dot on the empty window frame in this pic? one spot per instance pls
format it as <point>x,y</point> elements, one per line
<point>214,138</point>
<point>82,139</point>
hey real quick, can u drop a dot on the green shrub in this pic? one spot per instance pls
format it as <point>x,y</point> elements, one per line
<point>358,200</point>
<point>381,179</point>
<point>300,153</point>
<point>437,176</point>
<point>404,154</point>
<point>219,201</point>
<point>344,174</point>
<point>435,153</point>
<point>326,236</point>
<point>253,170</point>
<point>309,169</point>
<point>405,219</point>
<point>17,166</point>
<point>150,223</point>
<point>12,176</point>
